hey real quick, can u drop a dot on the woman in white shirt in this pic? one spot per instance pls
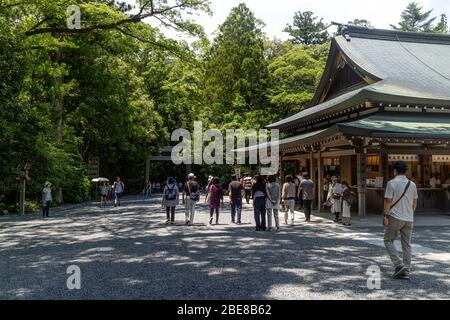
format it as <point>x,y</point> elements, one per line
<point>335,197</point>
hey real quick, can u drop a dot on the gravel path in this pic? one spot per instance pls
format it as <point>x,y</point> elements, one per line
<point>129,253</point>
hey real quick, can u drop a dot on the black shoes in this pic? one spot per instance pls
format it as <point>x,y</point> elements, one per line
<point>401,273</point>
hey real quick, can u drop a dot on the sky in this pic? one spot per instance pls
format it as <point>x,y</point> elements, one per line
<point>277,13</point>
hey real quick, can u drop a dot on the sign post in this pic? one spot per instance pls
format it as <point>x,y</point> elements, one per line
<point>23,179</point>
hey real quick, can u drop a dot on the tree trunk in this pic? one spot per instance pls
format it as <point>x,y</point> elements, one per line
<point>58,108</point>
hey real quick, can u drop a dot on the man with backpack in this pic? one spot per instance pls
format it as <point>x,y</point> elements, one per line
<point>306,194</point>
<point>235,191</point>
<point>400,202</point>
<point>170,199</point>
<point>191,195</point>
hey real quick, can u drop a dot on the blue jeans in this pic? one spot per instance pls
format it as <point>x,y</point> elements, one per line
<point>236,208</point>
<point>259,204</point>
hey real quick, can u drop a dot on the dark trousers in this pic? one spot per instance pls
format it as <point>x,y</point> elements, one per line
<point>170,213</point>
<point>248,195</point>
<point>211,213</point>
<point>307,204</point>
<point>259,204</point>
<point>46,209</point>
<point>236,209</point>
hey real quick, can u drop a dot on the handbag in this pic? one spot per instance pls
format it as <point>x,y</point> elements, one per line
<point>336,196</point>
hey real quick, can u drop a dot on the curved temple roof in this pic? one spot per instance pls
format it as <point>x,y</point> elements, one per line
<point>411,68</point>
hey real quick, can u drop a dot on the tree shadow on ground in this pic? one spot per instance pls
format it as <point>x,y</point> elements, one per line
<point>131,254</point>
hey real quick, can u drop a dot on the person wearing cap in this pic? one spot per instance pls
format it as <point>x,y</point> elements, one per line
<point>191,195</point>
<point>335,197</point>
<point>400,203</point>
<point>46,199</point>
<point>306,191</point>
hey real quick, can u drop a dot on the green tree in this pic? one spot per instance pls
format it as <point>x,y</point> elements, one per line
<point>237,77</point>
<point>360,23</point>
<point>295,77</point>
<point>306,29</point>
<point>414,18</point>
<point>442,25</point>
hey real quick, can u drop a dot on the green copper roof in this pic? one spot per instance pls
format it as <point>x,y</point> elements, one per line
<point>400,125</point>
<point>412,68</point>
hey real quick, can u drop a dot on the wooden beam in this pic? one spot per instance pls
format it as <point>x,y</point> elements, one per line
<point>410,150</point>
<point>329,154</point>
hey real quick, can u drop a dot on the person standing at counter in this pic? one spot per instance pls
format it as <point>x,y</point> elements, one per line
<point>335,197</point>
<point>433,181</point>
<point>399,206</point>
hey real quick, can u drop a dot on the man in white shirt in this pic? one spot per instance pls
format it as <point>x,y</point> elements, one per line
<point>119,188</point>
<point>400,202</point>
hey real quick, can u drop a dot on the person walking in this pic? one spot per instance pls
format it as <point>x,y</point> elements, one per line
<point>400,203</point>
<point>215,195</point>
<point>235,191</point>
<point>104,190</point>
<point>288,199</point>
<point>259,195</point>
<point>248,187</point>
<point>118,188</point>
<point>348,200</point>
<point>306,192</point>
<point>191,195</point>
<point>335,197</point>
<point>46,199</point>
<point>273,203</point>
<point>170,199</point>
<point>145,191</point>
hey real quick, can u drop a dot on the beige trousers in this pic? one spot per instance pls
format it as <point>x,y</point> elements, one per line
<point>395,227</point>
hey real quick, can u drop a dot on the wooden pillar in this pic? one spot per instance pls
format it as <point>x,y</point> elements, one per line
<point>362,176</point>
<point>384,166</point>
<point>319,180</point>
<point>281,169</point>
<point>312,171</point>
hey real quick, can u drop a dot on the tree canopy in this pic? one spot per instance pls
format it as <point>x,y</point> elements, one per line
<point>307,29</point>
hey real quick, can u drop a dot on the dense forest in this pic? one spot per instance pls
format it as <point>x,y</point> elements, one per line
<point>116,87</point>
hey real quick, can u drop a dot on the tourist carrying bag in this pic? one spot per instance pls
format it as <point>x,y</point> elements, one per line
<point>194,196</point>
<point>403,194</point>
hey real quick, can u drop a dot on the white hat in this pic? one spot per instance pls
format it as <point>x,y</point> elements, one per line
<point>47,184</point>
<point>191,175</point>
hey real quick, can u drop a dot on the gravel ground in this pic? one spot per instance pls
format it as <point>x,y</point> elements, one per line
<point>129,253</point>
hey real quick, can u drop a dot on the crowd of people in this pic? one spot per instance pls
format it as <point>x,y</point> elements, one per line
<point>269,198</point>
